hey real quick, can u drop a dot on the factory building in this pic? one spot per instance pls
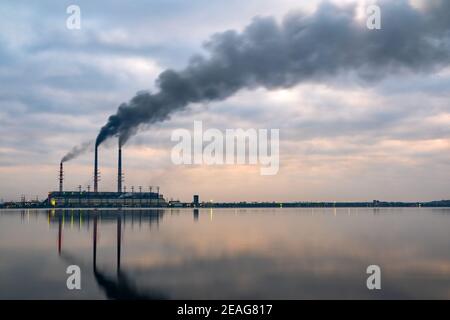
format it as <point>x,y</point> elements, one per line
<point>196,201</point>
<point>105,199</point>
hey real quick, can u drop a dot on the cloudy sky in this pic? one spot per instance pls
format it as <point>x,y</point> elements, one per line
<point>364,115</point>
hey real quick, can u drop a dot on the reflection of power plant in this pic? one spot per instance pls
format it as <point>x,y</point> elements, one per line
<point>121,198</point>
<point>119,287</point>
<point>195,214</point>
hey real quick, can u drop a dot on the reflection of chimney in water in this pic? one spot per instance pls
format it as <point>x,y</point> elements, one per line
<point>119,240</point>
<point>59,234</point>
<point>94,253</point>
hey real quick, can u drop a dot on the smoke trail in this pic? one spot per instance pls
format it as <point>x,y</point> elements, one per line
<point>301,48</point>
<point>77,150</point>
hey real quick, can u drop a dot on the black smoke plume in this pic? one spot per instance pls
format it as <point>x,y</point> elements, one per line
<point>77,150</point>
<point>301,48</point>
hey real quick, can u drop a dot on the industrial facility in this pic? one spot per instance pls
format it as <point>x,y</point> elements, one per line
<point>96,198</point>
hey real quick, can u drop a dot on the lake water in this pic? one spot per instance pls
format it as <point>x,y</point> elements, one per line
<point>225,253</point>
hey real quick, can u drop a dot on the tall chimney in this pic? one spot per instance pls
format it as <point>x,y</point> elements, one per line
<point>96,170</point>
<point>119,170</point>
<point>61,177</point>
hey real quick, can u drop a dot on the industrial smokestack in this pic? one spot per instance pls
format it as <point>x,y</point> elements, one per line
<point>96,170</point>
<point>119,170</point>
<point>61,177</point>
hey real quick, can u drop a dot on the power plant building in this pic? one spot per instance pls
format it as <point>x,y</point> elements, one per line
<point>105,199</point>
<point>117,199</point>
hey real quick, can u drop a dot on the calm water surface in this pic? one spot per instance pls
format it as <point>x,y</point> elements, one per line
<point>225,253</point>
